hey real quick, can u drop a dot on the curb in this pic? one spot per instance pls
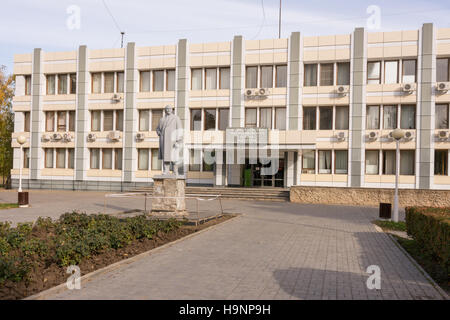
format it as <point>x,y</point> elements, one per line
<point>88,277</point>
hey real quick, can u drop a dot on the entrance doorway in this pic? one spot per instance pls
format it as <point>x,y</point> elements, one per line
<point>252,176</point>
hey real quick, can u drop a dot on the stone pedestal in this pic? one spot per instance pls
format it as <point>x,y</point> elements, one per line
<point>168,196</point>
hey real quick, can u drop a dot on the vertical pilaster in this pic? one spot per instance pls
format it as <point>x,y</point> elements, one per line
<point>237,82</point>
<point>129,152</point>
<point>290,168</point>
<point>358,107</point>
<point>81,153</point>
<point>36,106</point>
<point>182,83</point>
<point>294,76</point>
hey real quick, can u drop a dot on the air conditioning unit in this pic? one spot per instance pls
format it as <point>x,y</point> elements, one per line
<point>443,86</point>
<point>45,137</point>
<point>409,135</point>
<point>340,136</point>
<point>140,136</point>
<point>91,137</point>
<point>263,91</point>
<point>248,93</point>
<point>408,87</point>
<point>116,97</point>
<point>67,137</point>
<point>56,136</point>
<point>342,90</point>
<point>443,135</point>
<point>114,135</point>
<point>373,135</point>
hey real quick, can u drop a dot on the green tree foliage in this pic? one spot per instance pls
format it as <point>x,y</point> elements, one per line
<point>6,123</point>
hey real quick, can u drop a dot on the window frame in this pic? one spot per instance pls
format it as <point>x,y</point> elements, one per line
<point>379,72</point>
<point>403,70</point>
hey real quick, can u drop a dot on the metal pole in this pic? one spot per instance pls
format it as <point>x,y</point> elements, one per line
<point>121,42</point>
<point>397,172</point>
<point>279,22</point>
<point>20,168</point>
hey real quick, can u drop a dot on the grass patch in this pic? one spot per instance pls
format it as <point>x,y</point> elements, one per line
<point>427,261</point>
<point>8,205</point>
<point>391,225</point>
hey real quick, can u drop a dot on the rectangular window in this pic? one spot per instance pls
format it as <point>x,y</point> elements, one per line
<point>341,122</point>
<point>326,74</point>
<point>208,167</point>
<point>170,79</point>
<point>280,118</point>
<point>250,117</point>
<point>106,158</point>
<point>442,70</point>
<point>49,158</point>
<point>373,117</point>
<point>95,120</point>
<point>156,117</point>
<point>108,120</point>
<point>373,72</point>
<point>251,77</point>
<point>265,118</point>
<point>51,84</point>
<point>156,163</point>
<point>372,159</point>
<point>408,117</point>
<point>62,83</point>
<point>118,159</point>
<point>407,162</point>
<point>72,121</point>
<point>62,120</point>
<point>120,82</point>
<point>223,118</point>
<point>343,73</point>
<point>143,159</point>
<point>50,121</point>
<point>27,85</point>
<point>196,119</point>
<point>281,76</point>
<point>309,161</point>
<point>145,81</point>
<point>158,80</point>
<point>119,120</point>
<point>109,82</point>
<point>26,121</point>
<point>60,158</point>
<point>144,118</point>
<point>341,161</point>
<point>96,82</point>
<point>210,119</point>
<point>310,75</point>
<point>409,71</point>
<point>391,72</point>
<point>326,118</point>
<point>196,82</point>
<point>210,78</point>
<point>389,117</point>
<point>194,160</point>
<point>442,116</point>
<point>95,158</point>
<point>309,118</point>
<point>266,76</point>
<point>389,162</point>
<point>441,162</point>
<point>73,83</point>
<point>71,160</point>
<point>325,161</point>
<point>224,81</point>
<point>26,158</point>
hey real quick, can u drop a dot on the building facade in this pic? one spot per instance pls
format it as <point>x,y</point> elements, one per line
<point>326,104</point>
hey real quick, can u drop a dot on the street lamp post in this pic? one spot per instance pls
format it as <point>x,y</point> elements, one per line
<point>22,196</point>
<point>397,134</point>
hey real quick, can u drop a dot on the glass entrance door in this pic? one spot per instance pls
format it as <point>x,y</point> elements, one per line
<point>254,178</point>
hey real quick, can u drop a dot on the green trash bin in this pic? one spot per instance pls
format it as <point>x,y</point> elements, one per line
<point>247,177</point>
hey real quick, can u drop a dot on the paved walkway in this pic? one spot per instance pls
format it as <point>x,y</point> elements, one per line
<point>272,251</point>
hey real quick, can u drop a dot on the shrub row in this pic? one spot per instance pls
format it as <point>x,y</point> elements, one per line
<point>430,227</point>
<point>69,240</point>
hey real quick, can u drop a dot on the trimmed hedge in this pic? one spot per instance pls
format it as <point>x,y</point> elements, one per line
<point>430,227</point>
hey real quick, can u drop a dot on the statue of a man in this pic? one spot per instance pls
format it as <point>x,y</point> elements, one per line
<point>170,132</point>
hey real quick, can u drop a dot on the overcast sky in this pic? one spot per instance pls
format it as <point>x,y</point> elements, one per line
<point>29,24</point>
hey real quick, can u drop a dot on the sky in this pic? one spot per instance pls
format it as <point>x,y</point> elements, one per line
<point>63,25</point>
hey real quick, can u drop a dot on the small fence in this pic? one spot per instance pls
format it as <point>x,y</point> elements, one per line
<point>146,195</point>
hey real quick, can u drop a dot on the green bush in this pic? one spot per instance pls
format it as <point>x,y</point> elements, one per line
<point>430,227</point>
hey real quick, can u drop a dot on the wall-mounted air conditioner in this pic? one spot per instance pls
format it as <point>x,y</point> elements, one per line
<point>341,90</point>
<point>56,136</point>
<point>91,137</point>
<point>373,135</point>
<point>340,136</point>
<point>140,136</point>
<point>443,135</point>
<point>114,135</point>
<point>67,137</point>
<point>442,87</point>
<point>408,87</point>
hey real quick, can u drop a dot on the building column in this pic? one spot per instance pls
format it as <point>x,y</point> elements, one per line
<point>36,106</point>
<point>237,82</point>
<point>426,106</point>
<point>357,108</point>
<point>81,154</point>
<point>295,80</point>
<point>182,93</point>
<point>290,169</point>
<point>131,78</point>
